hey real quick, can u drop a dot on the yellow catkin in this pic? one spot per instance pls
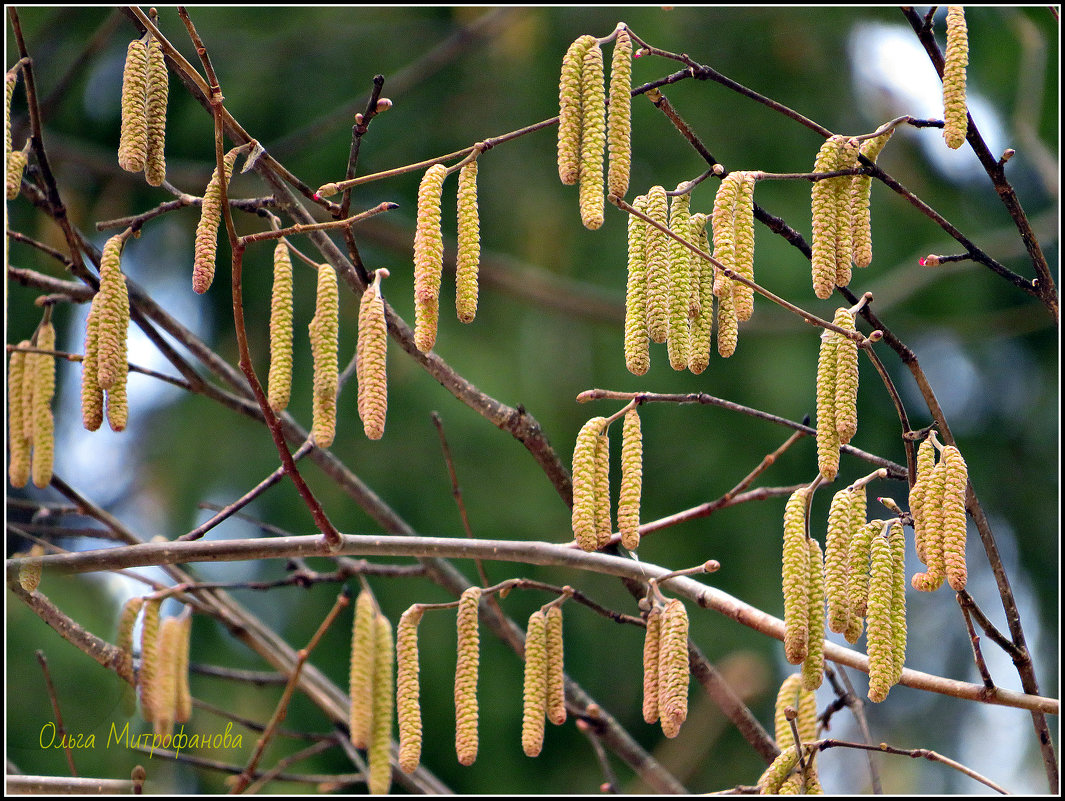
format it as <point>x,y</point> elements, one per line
<point>743,236</point>
<point>127,619</point>
<point>619,116</point>
<point>556,679</point>
<point>469,245</point>
<point>155,113</point>
<point>428,258</point>
<point>466,670</point>
<point>133,134</point>
<point>117,407</point>
<point>861,221</point>
<point>534,700</point>
<point>380,778</point>
<point>926,462</point>
<point>631,481</point>
<point>827,434</point>
<point>279,381</point>
<point>361,674</point>
<point>769,783</point>
<point>651,651</point>
<point>113,317</point>
<point>92,396</point>
<point>29,572</point>
<point>846,400</point>
<point>804,702</point>
<point>955,481</point>
<point>880,641</point>
<point>206,245</point>
<point>569,110</point>
<point>847,159</point>
<point>813,667</point>
<point>324,334</point>
<point>680,260</point>
<point>408,690</point>
<point>795,578</point>
<point>593,138</point>
<point>370,357</point>
<point>637,355</point>
<point>823,212</point>
<point>897,544</point>
<point>16,166</point>
<point>932,512</point>
<point>673,675</point>
<point>657,254</point>
<point>702,323</point>
<point>837,566</point>
<point>150,667</point>
<point>183,694</point>
<point>164,695</point>
<point>10,79</point>
<point>18,469</point>
<point>858,558</point>
<point>955,63</point>
<point>584,484</point>
<point>40,370</point>
<point>723,221</point>
<point>603,526</point>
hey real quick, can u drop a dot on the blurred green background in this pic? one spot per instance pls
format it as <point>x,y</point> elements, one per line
<point>294,78</point>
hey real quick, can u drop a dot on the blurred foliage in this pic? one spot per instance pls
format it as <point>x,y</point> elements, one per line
<point>294,77</point>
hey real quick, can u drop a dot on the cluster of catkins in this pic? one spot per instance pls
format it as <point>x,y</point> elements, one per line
<point>370,723</point>
<point>16,159</point>
<point>586,127</point>
<point>937,503</point>
<point>591,483</point>
<point>31,426</point>
<point>665,666</point>
<point>145,86</point>
<point>429,252</point>
<point>105,366</point>
<point>163,677</point>
<point>781,777</point>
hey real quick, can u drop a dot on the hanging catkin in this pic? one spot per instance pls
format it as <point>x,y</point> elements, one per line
<point>165,694</point>
<point>813,667</point>
<point>324,334</point>
<point>150,667</point>
<point>380,778</point>
<point>955,62</point>
<point>40,370</point>
<point>651,649</point>
<point>702,324</point>
<point>861,226</point>
<point>428,258</point>
<point>603,526</point>
<point>207,230</point>
<point>858,558</point>
<point>408,705</point>
<point>897,543</point>
<point>847,159</point>
<point>723,221</point>
<point>637,355</point>
<point>680,259</point>
<point>743,236</point>
<point>837,566</point>
<point>370,353</point>
<point>593,138</point>
<point>585,503</point>
<point>619,116</point>
<point>631,481</point>
<point>155,114</point>
<point>466,669</point>
<point>657,249</point>
<point>956,476</point>
<point>127,618</point>
<point>823,197</point>
<point>18,469</point>
<point>926,462</point>
<point>827,434</point>
<point>92,396</point>
<point>845,406</point>
<point>133,134</point>
<point>880,641</point>
<point>556,685</point>
<point>469,245</point>
<point>182,693</point>
<point>795,578</point>
<point>361,675</point>
<point>932,515</point>
<point>279,382</point>
<point>770,781</point>
<point>534,701</point>
<point>673,673</point>
<point>569,110</point>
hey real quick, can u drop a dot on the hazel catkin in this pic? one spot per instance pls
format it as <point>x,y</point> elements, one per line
<point>631,481</point>
<point>813,666</point>
<point>846,384</point>
<point>466,671</point>
<point>593,139</point>
<point>637,354</point>
<point>603,526</point>
<point>743,237</point>
<point>585,484</point>
<point>40,371</point>
<point>150,668</point>
<point>827,434</point>
<point>956,476</point>
<point>16,166</point>
<point>651,653</point>
<point>113,317</point>
<point>702,323</point>
<point>370,353</point>
<point>880,641</point>
<point>673,674</point>
<point>408,706</point>
<point>769,783</point>
<point>18,469</point>
<point>837,566</point>
<point>657,255</point>
<point>428,258</point>
<point>469,245</point>
<point>378,756</point>
<point>795,578</point>
<point>556,684</point>
<point>207,229</point>
<point>155,99</point>
<point>619,116</point>
<point>955,63</point>
<point>361,674</point>
<point>133,133</point>
<point>127,619</point>
<point>569,110</point>
<point>324,335</point>
<point>534,703</point>
<point>861,225</point>
<point>680,259</point>
<point>279,381</point>
<point>823,207</point>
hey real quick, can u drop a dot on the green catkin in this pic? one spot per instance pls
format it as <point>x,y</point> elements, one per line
<point>932,512</point>
<point>769,783</point>
<point>846,410</point>
<point>408,706</point>
<point>150,667</point>
<point>619,116</point>
<point>680,259</point>
<point>897,543</point>
<point>723,220</point>
<point>813,667</point>
<point>113,316</point>
<point>861,185</point>
<point>207,229</point>
<point>823,212</point>
<point>569,110</point>
<point>155,114</point>
<point>637,353</point>
<point>593,139</point>
<point>468,261</point>
<point>127,619</point>
<point>117,407</point>
<point>847,160</point>
<point>804,702</point>
<point>743,237</point>
<point>673,674</point>
<point>468,660</point>
<point>370,367</point>
<point>827,434</point>
<point>378,757</point>
<point>40,370</point>
<point>534,701</point>
<point>361,672</point>
<point>556,678</point>
<point>837,566</point>
<point>657,249</point>
<point>18,469</point>
<point>926,462</point>
<point>16,165</point>
<point>133,134</point>
<point>795,579</point>
<point>956,477</point>
<point>279,382</point>
<point>880,640</point>
<point>92,396</point>
<point>603,526</point>
<point>10,79</point>
<point>702,323</point>
<point>584,484</point>
<point>791,693</point>
<point>631,481</point>
<point>651,648</point>
<point>428,258</point>
<point>324,334</point>
<point>858,558</point>
<point>955,62</point>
